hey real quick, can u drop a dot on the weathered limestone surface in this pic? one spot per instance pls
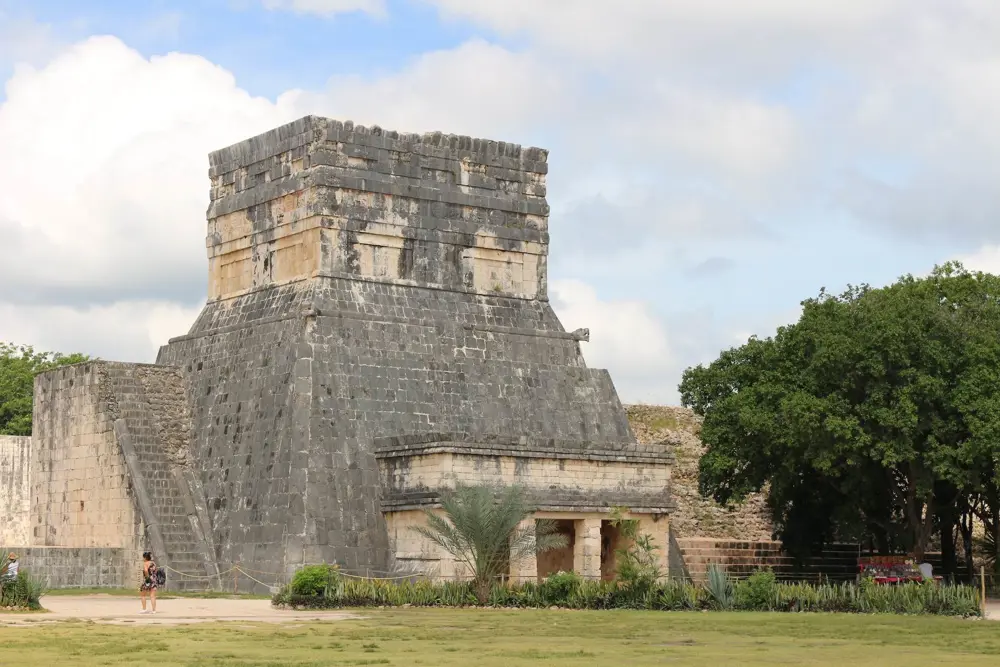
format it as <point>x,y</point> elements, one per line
<point>96,567</point>
<point>366,284</point>
<point>677,430</point>
<point>15,495</point>
<point>556,476</point>
<point>80,491</point>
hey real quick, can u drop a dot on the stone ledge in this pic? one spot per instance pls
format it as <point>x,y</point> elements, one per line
<point>422,444</point>
<point>544,501</point>
<point>378,319</point>
<point>309,129</point>
<point>347,178</point>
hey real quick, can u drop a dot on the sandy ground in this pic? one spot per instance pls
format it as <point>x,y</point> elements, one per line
<point>121,610</point>
<point>993,610</point>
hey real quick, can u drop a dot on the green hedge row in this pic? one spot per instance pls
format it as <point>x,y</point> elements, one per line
<point>319,587</point>
<point>22,593</point>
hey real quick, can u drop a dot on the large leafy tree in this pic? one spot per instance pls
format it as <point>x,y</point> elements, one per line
<point>481,527</point>
<point>18,367</point>
<point>876,416</point>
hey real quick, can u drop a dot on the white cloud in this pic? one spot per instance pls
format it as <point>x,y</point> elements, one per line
<point>599,30</point>
<point>105,196</point>
<point>625,337</point>
<point>328,7</point>
<point>986,259</point>
<point>126,331</point>
<point>477,88</point>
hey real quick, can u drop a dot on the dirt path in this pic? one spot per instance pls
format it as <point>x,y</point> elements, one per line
<point>121,610</point>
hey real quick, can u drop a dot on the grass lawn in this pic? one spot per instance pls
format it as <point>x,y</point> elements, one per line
<point>440,638</point>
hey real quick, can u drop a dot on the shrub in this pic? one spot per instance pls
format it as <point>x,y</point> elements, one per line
<point>677,596</point>
<point>761,592</point>
<point>24,592</point>
<point>558,588</point>
<point>638,569</point>
<point>315,580</point>
<point>758,592</point>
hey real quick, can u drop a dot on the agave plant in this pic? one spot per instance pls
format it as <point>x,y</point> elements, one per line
<point>719,588</point>
<point>481,527</point>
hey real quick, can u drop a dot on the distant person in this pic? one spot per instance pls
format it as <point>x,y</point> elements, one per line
<point>8,575</point>
<point>148,583</point>
<point>9,571</point>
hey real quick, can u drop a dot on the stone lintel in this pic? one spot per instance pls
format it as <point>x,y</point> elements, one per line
<point>592,503</point>
<point>519,447</point>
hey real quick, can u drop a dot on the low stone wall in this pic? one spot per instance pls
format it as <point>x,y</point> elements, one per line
<point>64,567</point>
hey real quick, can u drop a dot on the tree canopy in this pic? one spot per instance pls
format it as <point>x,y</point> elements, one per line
<point>18,366</point>
<point>875,417</point>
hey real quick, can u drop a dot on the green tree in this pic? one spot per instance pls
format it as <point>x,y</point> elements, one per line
<point>481,527</point>
<point>18,367</point>
<point>867,418</point>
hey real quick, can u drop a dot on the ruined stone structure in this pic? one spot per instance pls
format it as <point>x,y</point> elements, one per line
<point>377,331</point>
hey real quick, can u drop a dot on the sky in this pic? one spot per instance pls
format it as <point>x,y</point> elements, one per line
<point>712,162</point>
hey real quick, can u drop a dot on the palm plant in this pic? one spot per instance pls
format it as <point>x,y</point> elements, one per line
<point>481,527</point>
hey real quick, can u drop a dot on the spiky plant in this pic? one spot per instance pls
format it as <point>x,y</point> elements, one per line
<point>481,527</point>
<point>719,588</point>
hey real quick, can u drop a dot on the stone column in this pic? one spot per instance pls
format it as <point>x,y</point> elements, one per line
<point>587,548</point>
<point>527,569</point>
<point>659,529</point>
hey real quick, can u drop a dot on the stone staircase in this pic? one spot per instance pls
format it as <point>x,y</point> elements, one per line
<point>153,425</point>
<point>740,559</point>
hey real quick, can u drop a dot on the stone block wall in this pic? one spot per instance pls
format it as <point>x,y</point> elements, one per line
<point>553,479</point>
<point>319,196</point>
<point>80,491</point>
<point>81,567</point>
<point>15,493</point>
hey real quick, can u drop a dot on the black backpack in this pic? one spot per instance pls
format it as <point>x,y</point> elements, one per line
<point>160,576</point>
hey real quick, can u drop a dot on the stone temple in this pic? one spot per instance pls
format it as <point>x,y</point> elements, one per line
<point>377,330</point>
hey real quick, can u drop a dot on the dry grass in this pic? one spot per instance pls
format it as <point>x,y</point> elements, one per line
<point>443,638</point>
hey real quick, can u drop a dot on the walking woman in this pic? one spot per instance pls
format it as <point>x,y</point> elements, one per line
<point>148,583</point>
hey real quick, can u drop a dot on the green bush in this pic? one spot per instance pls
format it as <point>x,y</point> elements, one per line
<point>24,592</point>
<point>558,588</point>
<point>761,592</point>
<point>315,580</point>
